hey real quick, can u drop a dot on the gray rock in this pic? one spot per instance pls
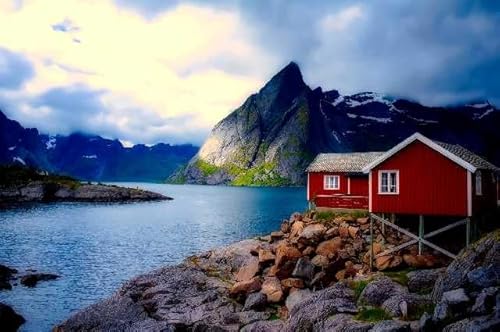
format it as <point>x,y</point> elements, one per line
<point>485,301</point>
<point>485,276</point>
<point>401,304</point>
<point>425,322</point>
<point>9,319</point>
<point>441,312</point>
<point>255,301</point>
<point>268,326</point>
<point>31,280</point>
<point>342,323</point>
<point>6,274</point>
<point>455,297</point>
<point>296,297</point>
<point>249,317</point>
<point>422,280</point>
<point>304,269</point>
<point>391,326</point>
<point>475,324</point>
<point>379,290</point>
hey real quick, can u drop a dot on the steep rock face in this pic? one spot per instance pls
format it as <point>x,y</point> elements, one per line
<point>271,138</point>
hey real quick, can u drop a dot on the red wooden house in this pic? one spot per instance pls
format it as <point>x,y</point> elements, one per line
<point>337,180</point>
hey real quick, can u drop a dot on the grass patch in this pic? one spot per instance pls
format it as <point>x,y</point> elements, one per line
<point>401,277</point>
<point>358,286</point>
<point>206,168</point>
<point>11,176</point>
<point>372,314</point>
<point>418,311</point>
<point>260,175</point>
<point>329,215</point>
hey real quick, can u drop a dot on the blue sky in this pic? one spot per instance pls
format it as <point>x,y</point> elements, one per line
<point>150,71</point>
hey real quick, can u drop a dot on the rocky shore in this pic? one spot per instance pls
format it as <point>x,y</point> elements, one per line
<point>312,275</point>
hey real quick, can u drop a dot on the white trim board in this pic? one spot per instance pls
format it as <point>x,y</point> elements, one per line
<point>469,194</point>
<point>308,186</point>
<point>421,138</point>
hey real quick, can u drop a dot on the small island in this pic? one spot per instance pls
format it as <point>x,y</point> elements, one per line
<point>22,184</point>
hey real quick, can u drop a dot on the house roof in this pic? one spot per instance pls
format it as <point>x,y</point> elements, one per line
<point>342,162</point>
<point>456,153</point>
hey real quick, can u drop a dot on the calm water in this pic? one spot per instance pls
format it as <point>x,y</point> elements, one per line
<point>95,248</point>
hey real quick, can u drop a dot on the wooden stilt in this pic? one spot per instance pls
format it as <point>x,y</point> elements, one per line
<point>467,232</point>
<point>420,233</point>
<point>371,243</point>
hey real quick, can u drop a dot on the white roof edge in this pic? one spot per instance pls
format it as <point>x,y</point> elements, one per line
<point>426,141</point>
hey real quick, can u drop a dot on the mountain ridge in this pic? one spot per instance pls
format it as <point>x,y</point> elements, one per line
<point>275,133</point>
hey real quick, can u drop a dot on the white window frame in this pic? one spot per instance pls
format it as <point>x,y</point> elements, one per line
<point>326,182</point>
<point>389,184</point>
<point>479,183</point>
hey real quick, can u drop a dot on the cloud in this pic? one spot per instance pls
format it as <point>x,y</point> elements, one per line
<point>65,26</point>
<point>15,70</point>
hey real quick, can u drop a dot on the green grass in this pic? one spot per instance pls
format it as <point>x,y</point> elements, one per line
<point>329,215</point>
<point>11,176</point>
<point>400,277</point>
<point>206,168</point>
<point>261,175</point>
<point>358,286</point>
<point>372,314</point>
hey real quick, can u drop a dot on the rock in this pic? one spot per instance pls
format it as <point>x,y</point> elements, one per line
<point>341,323</point>
<point>6,273</point>
<point>485,276</point>
<point>268,326</point>
<point>332,232</point>
<point>9,319</point>
<point>285,226</point>
<point>296,216</point>
<point>425,323</point>
<point>271,287</point>
<point>285,252</point>
<point>455,297</point>
<point>379,290</point>
<point>363,221</point>
<point>441,312</point>
<point>284,271</point>
<point>344,231</point>
<point>401,304</point>
<point>244,318</point>
<point>423,280</point>
<point>415,261</point>
<point>31,280</point>
<point>255,301</point>
<point>320,261</point>
<point>353,231</point>
<point>383,262</point>
<point>297,228</point>
<point>248,270</point>
<point>485,301</point>
<point>276,235</point>
<point>308,251</point>
<point>320,305</point>
<point>296,297</point>
<point>292,283</point>
<point>304,269</point>
<point>340,275</point>
<point>312,233</point>
<point>328,247</point>
<point>266,255</point>
<point>482,323</point>
<point>246,287</point>
<point>391,326</point>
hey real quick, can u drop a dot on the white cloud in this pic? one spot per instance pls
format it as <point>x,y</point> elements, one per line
<point>162,65</point>
<point>341,20</point>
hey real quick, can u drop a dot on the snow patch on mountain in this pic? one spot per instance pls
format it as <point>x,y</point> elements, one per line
<point>12,148</point>
<point>92,156</point>
<point>51,143</point>
<point>19,160</point>
<point>374,118</point>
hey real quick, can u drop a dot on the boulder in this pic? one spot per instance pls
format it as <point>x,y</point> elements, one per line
<point>328,247</point>
<point>296,216</point>
<point>320,261</point>
<point>332,232</point>
<point>292,283</point>
<point>344,231</point>
<point>415,261</point>
<point>267,325</point>
<point>276,235</point>
<point>308,251</point>
<point>246,287</point>
<point>271,287</point>
<point>484,276</point>
<point>391,326</point>
<point>485,301</point>
<point>401,304</point>
<point>248,270</point>
<point>362,221</point>
<point>296,297</point>
<point>297,228</point>
<point>341,323</point>
<point>6,273</point>
<point>353,231</point>
<point>9,319</point>
<point>481,323</point>
<point>455,297</point>
<point>383,262</point>
<point>304,269</point>
<point>255,301</point>
<point>285,252</point>
<point>284,271</point>
<point>312,233</point>
<point>423,280</point>
<point>266,255</point>
<point>31,280</point>
<point>285,226</point>
<point>379,290</point>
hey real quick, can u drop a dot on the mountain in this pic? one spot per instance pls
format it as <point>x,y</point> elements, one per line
<point>271,138</point>
<point>89,157</point>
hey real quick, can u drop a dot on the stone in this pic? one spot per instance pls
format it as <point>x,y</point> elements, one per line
<point>244,318</point>
<point>271,287</point>
<point>401,304</point>
<point>248,270</point>
<point>6,274</point>
<point>296,216</point>
<point>31,280</point>
<point>246,287</point>
<point>285,271</point>
<point>9,319</point>
<point>296,297</point>
<point>320,261</point>
<point>340,275</point>
<point>266,255</point>
<point>353,231</point>
<point>484,276</point>
<point>383,262</point>
<point>423,280</point>
<point>304,269</point>
<point>267,325</point>
<point>329,246</point>
<point>285,226</point>
<point>297,228</point>
<point>255,301</point>
<point>455,297</point>
<point>341,323</point>
<point>276,235</point>
<point>481,323</point>
<point>425,323</point>
<point>344,231</point>
<point>362,221</point>
<point>285,252</point>
<point>331,232</point>
<point>308,251</point>
<point>292,283</point>
<point>379,290</point>
<point>312,233</point>
<point>485,301</point>
<point>391,326</point>
<point>441,312</point>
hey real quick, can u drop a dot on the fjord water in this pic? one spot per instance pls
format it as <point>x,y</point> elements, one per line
<point>97,247</point>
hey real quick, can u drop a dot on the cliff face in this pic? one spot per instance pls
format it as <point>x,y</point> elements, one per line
<point>271,138</point>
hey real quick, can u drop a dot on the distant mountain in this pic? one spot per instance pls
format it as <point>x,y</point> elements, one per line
<point>271,138</point>
<point>89,157</point>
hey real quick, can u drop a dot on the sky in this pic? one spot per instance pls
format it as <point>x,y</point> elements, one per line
<point>167,71</point>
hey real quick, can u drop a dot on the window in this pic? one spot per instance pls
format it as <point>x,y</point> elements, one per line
<point>479,184</point>
<point>388,182</point>
<point>331,182</point>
